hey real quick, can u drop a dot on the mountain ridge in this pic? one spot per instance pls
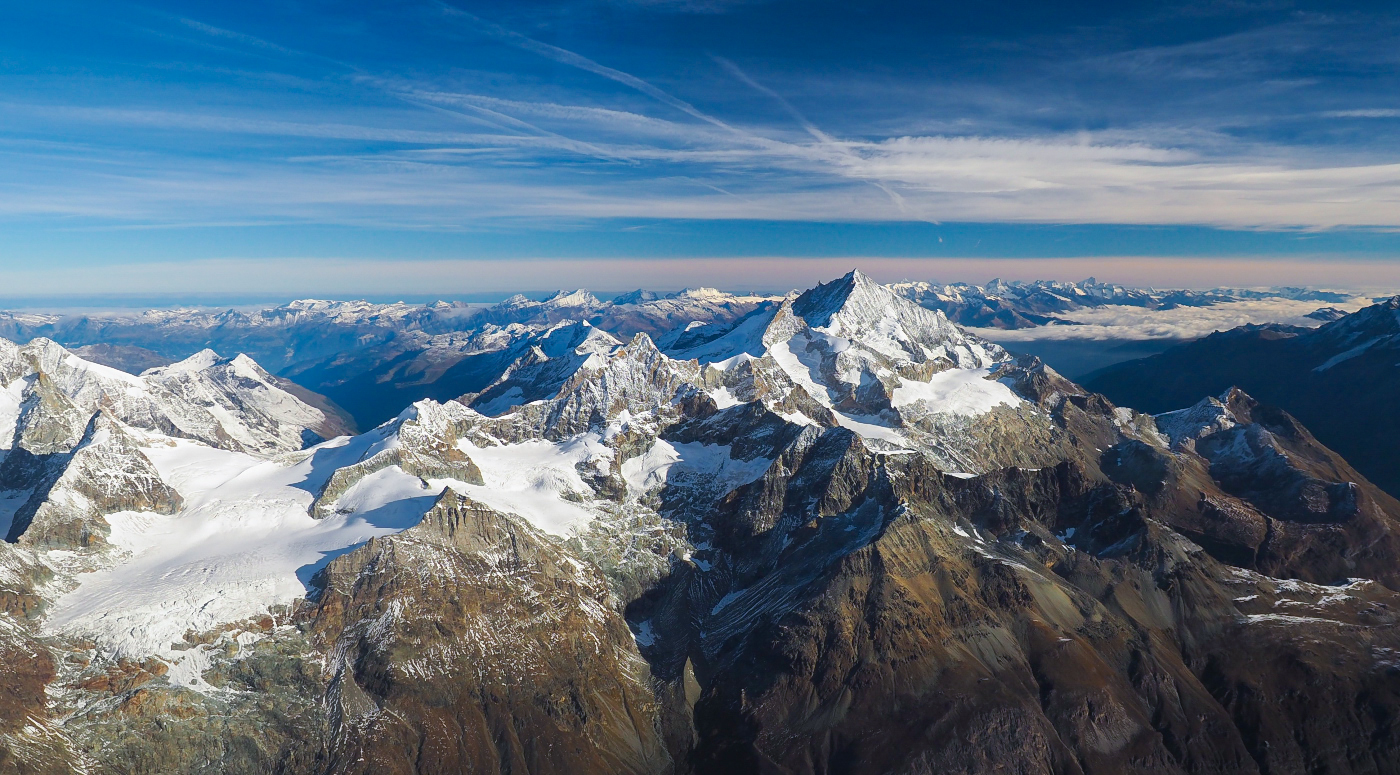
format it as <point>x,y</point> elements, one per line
<point>1334,378</point>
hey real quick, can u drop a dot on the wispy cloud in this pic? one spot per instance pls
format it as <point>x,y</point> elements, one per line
<point>1076,178</point>
<point>416,147</point>
<point>564,56</point>
<point>1364,113</point>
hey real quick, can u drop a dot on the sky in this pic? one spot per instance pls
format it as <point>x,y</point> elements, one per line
<point>457,148</point>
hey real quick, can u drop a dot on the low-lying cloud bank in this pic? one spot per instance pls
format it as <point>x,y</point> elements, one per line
<point>1137,323</point>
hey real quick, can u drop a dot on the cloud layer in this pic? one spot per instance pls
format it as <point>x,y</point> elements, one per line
<point>1136,323</point>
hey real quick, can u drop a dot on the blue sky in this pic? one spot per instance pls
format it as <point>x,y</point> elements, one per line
<point>265,146</point>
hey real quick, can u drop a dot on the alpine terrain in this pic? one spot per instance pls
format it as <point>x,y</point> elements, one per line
<point>830,532</point>
<point>371,359</point>
<point>1340,379</point>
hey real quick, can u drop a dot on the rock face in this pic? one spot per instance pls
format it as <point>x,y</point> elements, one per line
<point>834,534</point>
<point>104,474</point>
<point>1338,380</point>
<point>507,656</point>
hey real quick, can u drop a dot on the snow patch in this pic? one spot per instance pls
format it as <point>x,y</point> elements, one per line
<point>1349,354</point>
<point>723,398</point>
<point>11,398</point>
<point>966,392</point>
<point>692,462</point>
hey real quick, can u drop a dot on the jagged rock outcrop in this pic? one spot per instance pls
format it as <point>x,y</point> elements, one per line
<point>550,361</point>
<point>1255,487</point>
<point>470,643</point>
<point>967,635</point>
<point>105,473</point>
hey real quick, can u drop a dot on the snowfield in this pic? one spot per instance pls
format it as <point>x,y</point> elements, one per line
<point>668,462</point>
<point>244,542</point>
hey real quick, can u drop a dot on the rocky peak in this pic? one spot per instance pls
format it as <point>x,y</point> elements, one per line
<point>48,421</point>
<point>549,360</point>
<point>857,308</point>
<point>502,599</point>
<point>855,291</point>
<point>104,474</point>
<point>638,296</point>
<point>1376,321</point>
<point>1211,415</point>
<point>637,378</point>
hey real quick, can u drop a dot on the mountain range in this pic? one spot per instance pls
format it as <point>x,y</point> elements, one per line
<point>832,532</point>
<point>1339,379</point>
<point>370,360</point>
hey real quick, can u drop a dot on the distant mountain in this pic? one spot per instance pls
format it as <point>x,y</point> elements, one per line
<point>1327,314</point>
<point>1341,380</point>
<point>372,359</point>
<point>835,533</point>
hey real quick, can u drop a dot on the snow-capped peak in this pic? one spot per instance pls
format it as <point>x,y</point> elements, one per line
<point>577,298</point>
<point>200,361</point>
<point>858,309</point>
<point>855,292</point>
<point>233,404</point>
